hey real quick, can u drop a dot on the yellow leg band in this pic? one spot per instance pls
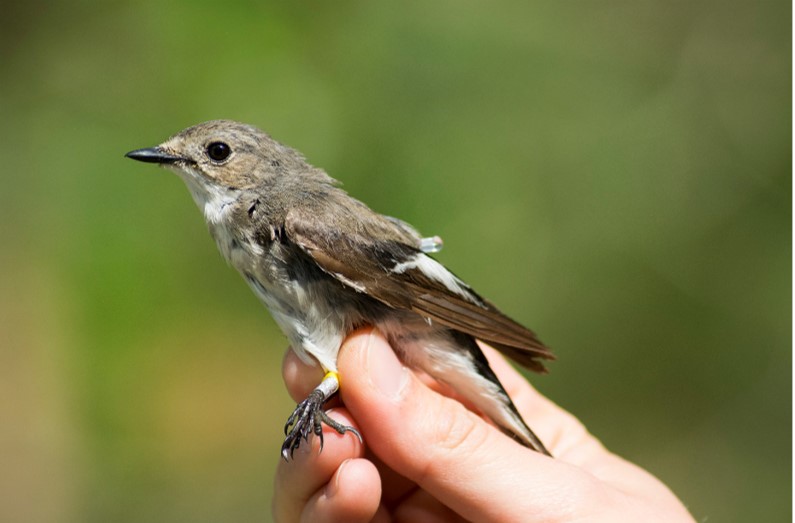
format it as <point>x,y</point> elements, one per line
<point>335,375</point>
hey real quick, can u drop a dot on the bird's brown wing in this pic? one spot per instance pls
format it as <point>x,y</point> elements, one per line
<point>375,258</point>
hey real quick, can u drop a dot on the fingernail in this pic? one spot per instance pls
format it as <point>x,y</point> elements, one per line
<point>387,374</point>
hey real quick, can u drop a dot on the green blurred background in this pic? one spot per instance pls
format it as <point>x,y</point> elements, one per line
<point>616,175</point>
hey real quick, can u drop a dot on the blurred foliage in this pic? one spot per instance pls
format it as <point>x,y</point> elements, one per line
<point>616,175</point>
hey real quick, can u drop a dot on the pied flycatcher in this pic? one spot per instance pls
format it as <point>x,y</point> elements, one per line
<point>325,264</point>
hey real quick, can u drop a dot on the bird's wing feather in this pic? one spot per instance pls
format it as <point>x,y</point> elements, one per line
<point>384,265</point>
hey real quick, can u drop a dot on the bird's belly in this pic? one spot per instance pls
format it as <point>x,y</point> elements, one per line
<point>314,327</point>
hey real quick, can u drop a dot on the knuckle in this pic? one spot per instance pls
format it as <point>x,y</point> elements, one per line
<point>454,429</point>
<point>454,434</point>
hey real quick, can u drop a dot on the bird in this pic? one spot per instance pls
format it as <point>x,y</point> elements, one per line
<point>325,264</point>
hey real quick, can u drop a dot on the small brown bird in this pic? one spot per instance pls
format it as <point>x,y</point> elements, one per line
<point>325,264</point>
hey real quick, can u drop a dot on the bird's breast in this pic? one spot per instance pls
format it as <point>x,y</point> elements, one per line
<point>239,250</point>
<point>310,306</point>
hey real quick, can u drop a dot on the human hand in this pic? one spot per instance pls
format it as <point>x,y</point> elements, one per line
<point>428,458</point>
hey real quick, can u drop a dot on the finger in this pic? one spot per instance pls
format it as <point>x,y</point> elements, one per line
<point>394,487</point>
<point>352,495</point>
<point>299,377</point>
<point>459,458</point>
<point>309,469</point>
<point>422,506</point>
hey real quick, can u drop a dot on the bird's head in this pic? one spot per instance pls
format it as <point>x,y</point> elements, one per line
<point>223,154</point>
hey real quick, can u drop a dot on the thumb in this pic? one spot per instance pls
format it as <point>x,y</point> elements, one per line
<point>434,441</point>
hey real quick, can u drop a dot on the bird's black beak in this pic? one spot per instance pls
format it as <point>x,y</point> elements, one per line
<point>153,155</point>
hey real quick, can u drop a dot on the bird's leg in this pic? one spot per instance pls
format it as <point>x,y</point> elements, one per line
<point>309,415</point>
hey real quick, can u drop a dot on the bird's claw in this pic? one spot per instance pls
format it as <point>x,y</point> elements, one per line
<point>307,418</point>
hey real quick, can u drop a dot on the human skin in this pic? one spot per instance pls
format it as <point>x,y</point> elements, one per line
<point>427,458</point>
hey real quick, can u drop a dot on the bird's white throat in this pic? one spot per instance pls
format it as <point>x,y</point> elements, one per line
<point>212,199</point>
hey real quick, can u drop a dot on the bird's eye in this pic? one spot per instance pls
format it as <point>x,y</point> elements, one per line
<point>218,151</point>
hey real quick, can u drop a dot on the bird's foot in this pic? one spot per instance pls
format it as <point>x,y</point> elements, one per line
<point>306,419</point>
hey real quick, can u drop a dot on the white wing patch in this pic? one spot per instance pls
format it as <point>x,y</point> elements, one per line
<point>437,272</point>
<point>357,286</point>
